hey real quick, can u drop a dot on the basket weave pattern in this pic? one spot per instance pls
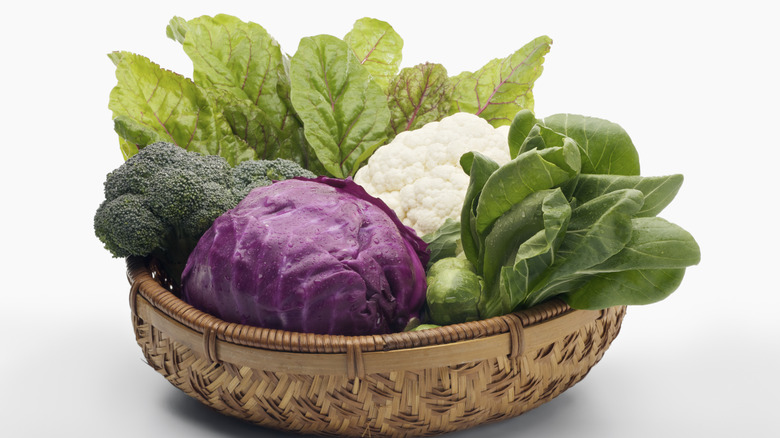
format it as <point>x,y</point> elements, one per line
<point>433,385</point>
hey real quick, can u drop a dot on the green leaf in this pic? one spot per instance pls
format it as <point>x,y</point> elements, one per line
<point>344,113</point>
<point>242,60</point>
<point>540,137</point>
<point>598,230</point>
<point>135,133</point>
<point>378,47</point>
<point>524,220</point>
<point>655,244</point>
<point>444,242</point>
<point>529,172</point>
<point>177,29</point>
<point>501,88</point>
<point>606,148</point>
<point>521,126</point>
<point>419,95</point>
<point>528,238</point>
<point>634,287</point>
<point>148,99</point>
<point>479,168</point>
<point>658,190</point>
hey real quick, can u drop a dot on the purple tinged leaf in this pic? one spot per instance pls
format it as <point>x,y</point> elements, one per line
<point>502,87</point>
<point>378,47</point>
<point>419,95</point>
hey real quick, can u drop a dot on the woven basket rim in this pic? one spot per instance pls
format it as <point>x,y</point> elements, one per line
<point>144,283</point>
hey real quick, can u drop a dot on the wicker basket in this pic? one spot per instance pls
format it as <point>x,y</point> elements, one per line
<point>402,384</point>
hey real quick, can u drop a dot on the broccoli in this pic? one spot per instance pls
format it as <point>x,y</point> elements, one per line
<point>161,200</point>
<point>250,174</point>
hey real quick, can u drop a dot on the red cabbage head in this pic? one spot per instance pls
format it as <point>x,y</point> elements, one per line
<point>309,255</point>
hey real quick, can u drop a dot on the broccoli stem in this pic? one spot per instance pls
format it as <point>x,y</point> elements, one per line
<point>173,258</point>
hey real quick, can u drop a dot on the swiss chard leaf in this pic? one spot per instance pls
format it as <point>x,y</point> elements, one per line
<point>606,148</point>
<point>529,172</point>
<point>244,62</point>
<point>149,100</point>
<point>133,133</point>
<point>418,95</point>
<point>378,47</point>
<point>344,113</point>
<point>501,88</point>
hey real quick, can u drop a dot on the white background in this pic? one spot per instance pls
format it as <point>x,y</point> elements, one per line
<point>694,83</point>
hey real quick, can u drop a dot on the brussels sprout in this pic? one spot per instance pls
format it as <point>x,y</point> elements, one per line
<point>424,327</point>
<point>453,292</point>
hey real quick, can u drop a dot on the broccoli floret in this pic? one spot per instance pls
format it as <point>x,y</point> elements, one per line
<point>250,174</point>
<point>162,200</point>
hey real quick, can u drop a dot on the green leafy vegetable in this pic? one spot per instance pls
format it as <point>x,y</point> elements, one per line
<point>606,147</point>
<point>522,124</point>
<point>522,245</point>
<point>444,242</point>
<point>328,108</point>
<point>502,87</point>
<point>625,288</point>
<point>344,112</point>
<point>153,104</point>
<point>378,47</point>
<point>657,190</point>
<point>419,95</point>
<point>598,230</point>
<point>540,226</point>
<point>529,172</point>
<point>479,168</point>
<point>246,67</point>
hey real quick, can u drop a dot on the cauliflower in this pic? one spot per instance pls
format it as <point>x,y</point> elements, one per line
<point>418,174</point>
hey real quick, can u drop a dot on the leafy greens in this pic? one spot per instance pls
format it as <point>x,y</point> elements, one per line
<point>568,217</point>
<point>326,107</point>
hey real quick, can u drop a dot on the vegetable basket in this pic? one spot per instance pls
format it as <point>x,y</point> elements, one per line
<point>402,384</point>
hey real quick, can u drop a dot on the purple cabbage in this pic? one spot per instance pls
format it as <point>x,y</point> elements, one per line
<point>309,255</point>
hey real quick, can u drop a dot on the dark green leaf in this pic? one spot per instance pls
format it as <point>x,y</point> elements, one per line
<point>479,168</point>
<point>444,242</point>
<point>655,244</point>
<point>521,126</point>
<point>530,172</point>
<point>598,230</point>
<point>622,288</point>
<point>658,190</point>
<point>509,283</point>
<point>606,148</point>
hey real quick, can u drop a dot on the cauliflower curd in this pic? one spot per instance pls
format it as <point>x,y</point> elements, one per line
<point>418,174</point>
